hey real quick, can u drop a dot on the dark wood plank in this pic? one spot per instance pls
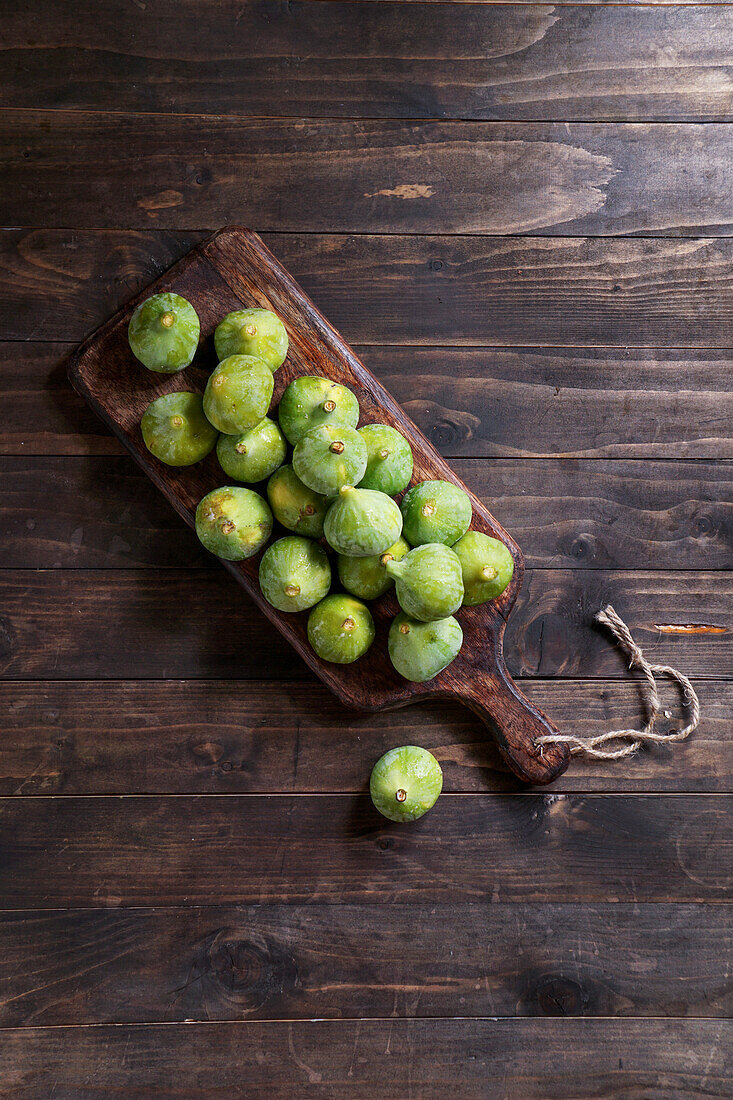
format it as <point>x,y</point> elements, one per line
<point>297,962</point>
<point>182,172</point>
<point>385,60</point>
<point>393,1059</point>
<point>478,402</point>
<point>564,513</point>
<point>228,737</point>
<point>151,624</point>
<point>60,284</point>
<point>193,850</point>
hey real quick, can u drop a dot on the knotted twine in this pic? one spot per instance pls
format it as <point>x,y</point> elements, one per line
<point>619,743</point>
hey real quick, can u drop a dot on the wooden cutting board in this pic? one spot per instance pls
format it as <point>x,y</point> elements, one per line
<point>234,269</point>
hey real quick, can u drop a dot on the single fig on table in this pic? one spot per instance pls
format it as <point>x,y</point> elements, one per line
<point>175,429</point>
<point>362,522</point>
<point>164,333</point>
<point>405,783</point>
<point>327,458</point>
<point>238,394</point>
<point>436,511</point>
<point>310,401</point>
<point>389,459</point>
<point>253,455</point>
<point>233,522</point>
<point>368,578</point>
<point>487,566</point>
<point>296,506</point>
<point>294,574</point>
<point>428,582</point>
<point>419,651</point>
<point>340,629</point>
<point>258,332</point>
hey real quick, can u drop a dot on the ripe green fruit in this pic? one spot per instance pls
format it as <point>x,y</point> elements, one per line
<point>258,332</point>
<point>428,582</point>
<point>436,511</point>
<point>419,651</point>
<point>238,394</point>
<point>310,401</point>
<point>367,577</point>
<point>175,429</point>
<point>362,522</point>
<point>487,566</point>
<point>389,459</point>
<point>255,454</point>
<point>294,573</point>
<point>340,629</point>
<point>295,505</point>
<point>234,523</point>
<point>405,783</point>
<point>164,333</point>
<point>327,458</point>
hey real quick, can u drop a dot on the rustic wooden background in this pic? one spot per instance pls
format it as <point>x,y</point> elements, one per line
<point>521,217</point>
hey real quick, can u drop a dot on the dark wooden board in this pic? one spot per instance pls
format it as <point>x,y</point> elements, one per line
<point>191,850</point>
<point>360,1059</point>
<point>365,176</point>
<point>384,60</point>
<point>234,269</point>
<point>229,737</point>
<point>224,962</point>
<point>469,402</point>
<point>438,290</point>
<point>565,513</point>
<point>129,624</point>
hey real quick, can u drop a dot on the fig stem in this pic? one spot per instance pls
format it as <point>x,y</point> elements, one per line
<point>309,510</point>
<point>167,319</point>
<point>337,447</point>
<point>250,330</point>
<point>404,628</point>
<point>176,421</point>
<point>428,508</point>
<point>348,623</point>
<point>489,573</point>
<point>240,449</point>
<point>292,589</point>
<point>345,489</point>
<point>401,795</point>
<point>384,453</point>
<point>227,527</point>
<point>329,406</point>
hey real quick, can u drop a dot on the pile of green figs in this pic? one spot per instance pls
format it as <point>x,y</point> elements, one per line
<point>329,485</point>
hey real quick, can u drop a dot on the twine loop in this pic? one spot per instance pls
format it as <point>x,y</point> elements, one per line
<point>617,744</point>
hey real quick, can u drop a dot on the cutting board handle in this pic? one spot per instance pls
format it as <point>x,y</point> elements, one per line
<point>515,723</point>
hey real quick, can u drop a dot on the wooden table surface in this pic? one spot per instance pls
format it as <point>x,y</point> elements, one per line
<point>520,216</point>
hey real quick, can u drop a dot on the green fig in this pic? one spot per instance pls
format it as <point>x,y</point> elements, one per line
<point>296,506</point>
<point>294,573</point>
<point>164,333</point>
<point>238,394</point>
<point>258,332</point>
<point>367,577</point>
<point>234,523</point>
<point>487,566</point>
<point>436,511</point>
<point>340,629</point>
<point>428,582</point>
<point>310,401</point>
<point>389,459</point>
<point>255,454</point>
<point>175,429</point>
<point>362,522</point>
<point>327,458</point>
<point>405,783</point>
<point>419,651</point>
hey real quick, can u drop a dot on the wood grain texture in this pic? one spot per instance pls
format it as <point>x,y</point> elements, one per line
<point>567,513</point>
<point>189,850</point>
<point>470,402</point>
<point>386,290</point>
<point>132,624</point>
<point>233,737</point>
<point>333,961</point>
<point>263,57</point>
<point>371,176</point>
<point>492,1059</point>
